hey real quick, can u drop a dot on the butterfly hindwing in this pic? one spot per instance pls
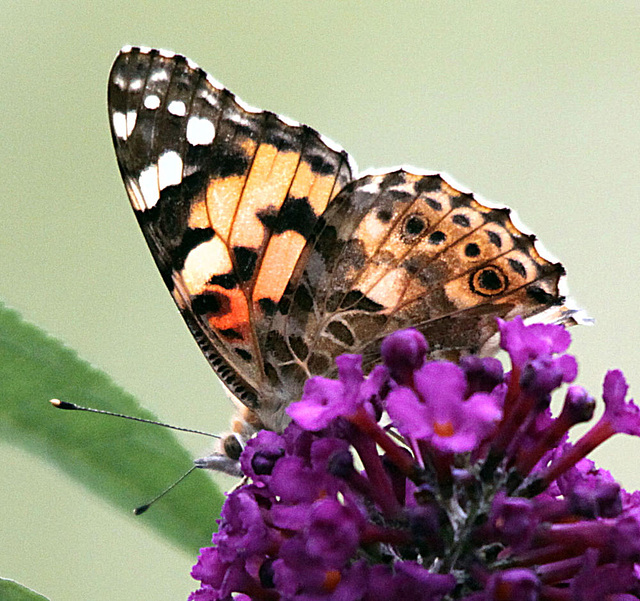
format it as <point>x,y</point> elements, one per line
<point>404,250</point>
<point>226,197</point>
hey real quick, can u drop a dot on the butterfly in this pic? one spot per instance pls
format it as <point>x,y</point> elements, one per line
<point>280,257</point>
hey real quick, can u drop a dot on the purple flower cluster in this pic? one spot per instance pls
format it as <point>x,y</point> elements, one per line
<point>431,480</point>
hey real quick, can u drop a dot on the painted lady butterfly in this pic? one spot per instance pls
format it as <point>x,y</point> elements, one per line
<point>280,258</point>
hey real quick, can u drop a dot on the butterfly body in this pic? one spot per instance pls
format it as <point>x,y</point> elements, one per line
<point>280,258</point>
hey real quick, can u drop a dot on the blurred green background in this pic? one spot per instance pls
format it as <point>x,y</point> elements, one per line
<point>534,105</point>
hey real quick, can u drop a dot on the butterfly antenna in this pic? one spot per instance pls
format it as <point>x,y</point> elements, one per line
<point>73,407</point>
<point>142,508</point>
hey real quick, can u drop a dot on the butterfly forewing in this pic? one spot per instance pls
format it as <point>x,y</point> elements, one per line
<point>226,197</point>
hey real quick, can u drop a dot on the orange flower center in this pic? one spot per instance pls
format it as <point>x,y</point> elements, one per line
<point>331,580</point>
<point>444,429</point>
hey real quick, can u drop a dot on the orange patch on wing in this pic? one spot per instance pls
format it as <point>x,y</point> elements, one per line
<point>249,146</point>
<point>266,189</point>
<point>238,315</point>
<point>223,196</point>
<point>280,258</point>
<point>198,215</point>
<point>321,193</point>
<point>302,181</point>
<point>319,189</point>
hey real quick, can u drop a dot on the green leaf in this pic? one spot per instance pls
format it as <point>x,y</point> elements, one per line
<point>12,591</point>
<point>124,462</point>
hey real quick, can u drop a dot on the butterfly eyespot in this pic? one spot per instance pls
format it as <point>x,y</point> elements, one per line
<point>437,237</point>
<point>461,220</point>
<point>495,239</point>
<point>384,215</point>
<point>488,281</point>
<point>413,227</point>
<point>472,250</point>
<point>436,205</point>
<point>518,267</point>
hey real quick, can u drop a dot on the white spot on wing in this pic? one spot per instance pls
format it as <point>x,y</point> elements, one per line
<point>120,82</point>
<point>119,121</point>
<point>166,53</point>
<point>238,118</point>
<point>159,75</point>
<point>177,108</point>
<point>152,102</point>
<point>132,117</point>
<point>211,98</point>
<point>200,131</point>
<point>148,183</point>
<point>373,187</point>
<point>135,84</point>
<point>169,169</point>
<point>123,124</point>
<point>204,261</point>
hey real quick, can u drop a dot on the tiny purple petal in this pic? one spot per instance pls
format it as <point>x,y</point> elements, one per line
<point>333,532</point>
<point>594,497</point>
<point>408,413</point>
<point>294,482</point>
<point>207,568</point>
<point>623,416</point>
<point>524,343</point>
<point>542,375</point>
<point>322,401</point>
<point>441,383</point>
<point>350,373</point>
